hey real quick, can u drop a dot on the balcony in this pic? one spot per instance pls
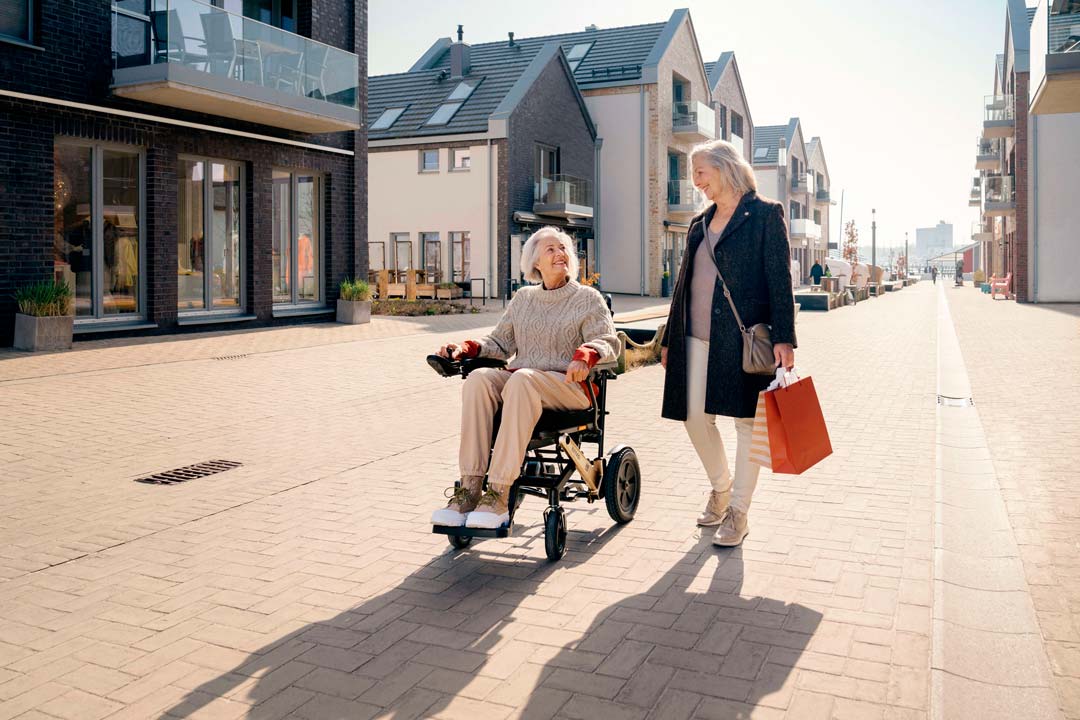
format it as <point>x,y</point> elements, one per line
<point>802,182</point>
<point>563,196</point>
<point>693,121</point>
<point>988,155</point>
<point>823,195</point>
<point>1055,58</point>
<point>684,200</point>
<point>191,55</point>
<point>976,193</point>
<point>803,228</point>
<point>999,196</point>
<point>998,120</point>
<point>980,234</point>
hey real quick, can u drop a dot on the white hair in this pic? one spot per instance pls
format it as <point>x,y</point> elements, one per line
<point>725,157</point>
<point>530,253</point>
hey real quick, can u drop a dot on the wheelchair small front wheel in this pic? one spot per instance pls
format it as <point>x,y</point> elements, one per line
<point>622,485</point>
<point>460,542</point>
<point>555,533</point>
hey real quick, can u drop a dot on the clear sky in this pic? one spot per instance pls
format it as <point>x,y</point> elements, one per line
<point>894,89</point>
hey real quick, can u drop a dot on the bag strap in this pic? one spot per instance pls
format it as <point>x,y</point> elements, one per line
<point>727,293</point>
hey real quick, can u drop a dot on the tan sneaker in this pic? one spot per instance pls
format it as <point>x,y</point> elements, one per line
<point>714,509</point>
<point>493,510</point>
<point>463,500</point>
<point>733,528</point>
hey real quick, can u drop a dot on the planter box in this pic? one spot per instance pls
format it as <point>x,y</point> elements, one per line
<point>353,312</point>
<point>43,333</point>
<point>448,293</point>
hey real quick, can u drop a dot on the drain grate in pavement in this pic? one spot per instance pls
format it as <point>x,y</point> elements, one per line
<point>232,357</point>
<point>955,401</point>
<point>191,472</point>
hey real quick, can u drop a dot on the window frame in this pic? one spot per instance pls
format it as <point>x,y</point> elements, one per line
<point>737,120</point>
<point>28,41</point>
<point>208,191</point>
<point>455,153</point>
<point>464,239</point>
<point>723,121</point>
<point>395,240</point>
<point>430,237</point>
<point>97,215</point>
<point>438,160</point>
<point>294,246</point>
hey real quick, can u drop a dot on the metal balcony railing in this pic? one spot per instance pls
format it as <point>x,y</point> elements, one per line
<point>228,45</point>
<point>998,108</point>
<point>563,190</point>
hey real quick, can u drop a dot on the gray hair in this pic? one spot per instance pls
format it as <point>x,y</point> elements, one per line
<point>725,157</point>
<point>530,253</point>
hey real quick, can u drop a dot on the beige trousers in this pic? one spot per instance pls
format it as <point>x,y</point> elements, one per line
<point>523,395</point>
<point>701,427</point>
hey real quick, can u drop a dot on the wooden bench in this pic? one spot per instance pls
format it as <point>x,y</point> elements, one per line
<point>1002,286</point>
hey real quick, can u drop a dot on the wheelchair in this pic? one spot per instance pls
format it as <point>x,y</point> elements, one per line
<point>555,452</point>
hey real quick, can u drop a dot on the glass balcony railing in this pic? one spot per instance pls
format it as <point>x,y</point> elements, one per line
<point>563,190</point>
<point>694,119</point>
<point>1063,33</point>
<point>227,45</point>
<point>989,147</point>
<point>683,194</point>
<point>999,189</point>
<point>998,108</point>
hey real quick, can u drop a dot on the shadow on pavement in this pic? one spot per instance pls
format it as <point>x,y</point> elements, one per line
<point>690,640</point>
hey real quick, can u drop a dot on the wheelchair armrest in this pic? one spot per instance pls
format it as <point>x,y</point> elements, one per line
<point>470,364</point>
<point>452,368</point>
<point>603,370</point>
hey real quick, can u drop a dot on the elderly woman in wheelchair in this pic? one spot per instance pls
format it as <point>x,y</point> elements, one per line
<point>558,337</point>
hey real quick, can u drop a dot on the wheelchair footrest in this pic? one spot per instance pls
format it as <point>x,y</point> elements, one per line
<point>462,531</point>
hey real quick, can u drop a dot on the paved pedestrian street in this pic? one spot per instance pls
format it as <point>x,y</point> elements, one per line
<point>306,582</point>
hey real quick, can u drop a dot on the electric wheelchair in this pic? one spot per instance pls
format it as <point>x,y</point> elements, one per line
<point>553,455</point>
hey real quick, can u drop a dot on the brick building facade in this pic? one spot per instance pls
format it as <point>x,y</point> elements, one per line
<point>94,185</point>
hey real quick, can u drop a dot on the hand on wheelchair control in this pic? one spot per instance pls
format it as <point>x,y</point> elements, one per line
<point>449,351</point>
<point>577,371</point>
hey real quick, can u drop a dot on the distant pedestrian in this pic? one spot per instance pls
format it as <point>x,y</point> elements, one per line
<point>933,274</point>
<point>816,271</point>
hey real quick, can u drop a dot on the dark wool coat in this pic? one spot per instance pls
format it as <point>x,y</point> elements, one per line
<point>754,257</point>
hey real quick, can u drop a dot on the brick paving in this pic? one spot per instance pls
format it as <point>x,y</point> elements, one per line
<point>307,584</point>
<point>1024,366</point>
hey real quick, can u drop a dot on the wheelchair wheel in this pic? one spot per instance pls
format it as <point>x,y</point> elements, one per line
<point>555,533</point>
<point>622,485</point>
<point>459,542</point>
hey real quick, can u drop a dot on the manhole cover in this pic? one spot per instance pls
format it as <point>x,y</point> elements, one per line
<point>191,472</point>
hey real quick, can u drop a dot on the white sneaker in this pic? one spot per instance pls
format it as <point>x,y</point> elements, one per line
<point>462,501</point>
<point>493,510</point>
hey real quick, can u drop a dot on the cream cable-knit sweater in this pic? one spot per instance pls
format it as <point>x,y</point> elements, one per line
<point>542,328</point>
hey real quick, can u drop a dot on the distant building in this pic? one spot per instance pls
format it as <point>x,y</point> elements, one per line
<point>931,241</point>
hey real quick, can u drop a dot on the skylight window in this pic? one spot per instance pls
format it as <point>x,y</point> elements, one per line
<point>445,112</point>
<point>760,153</point>
<point>577,54</point>
<point>389,117</point>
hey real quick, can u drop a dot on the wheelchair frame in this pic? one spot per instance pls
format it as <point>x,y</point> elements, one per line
<point>552,456</point>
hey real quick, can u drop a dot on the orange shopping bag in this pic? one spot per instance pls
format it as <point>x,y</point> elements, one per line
<point>798,438</point>
<point>759,442</point>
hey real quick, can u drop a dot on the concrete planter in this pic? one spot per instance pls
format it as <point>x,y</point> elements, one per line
<point>353,312</point>
<point>448,293</point>
<point>43,333</point>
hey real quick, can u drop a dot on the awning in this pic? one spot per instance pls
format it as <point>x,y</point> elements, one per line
<point>522,217</point>
<point>955,251</point>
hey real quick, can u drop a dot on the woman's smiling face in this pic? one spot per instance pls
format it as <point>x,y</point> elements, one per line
<point>707,179</point>
<point>553,261</point>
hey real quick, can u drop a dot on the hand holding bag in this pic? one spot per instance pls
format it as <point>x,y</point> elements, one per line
<point>798,438</point>
<point>757,355</point>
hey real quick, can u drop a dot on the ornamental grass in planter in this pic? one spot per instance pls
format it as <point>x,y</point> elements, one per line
<point>354,302</point>
<point>44,321</point>
<point>447,291</point>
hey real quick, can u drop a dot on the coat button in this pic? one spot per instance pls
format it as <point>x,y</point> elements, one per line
<point>716,311</point>
<point>746,214</point>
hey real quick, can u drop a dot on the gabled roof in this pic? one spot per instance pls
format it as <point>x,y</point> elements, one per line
<point>715,70</point>
<point>768,137</point>
<point>815,148</point>
<point>502,83</point>
<point>617,56</point>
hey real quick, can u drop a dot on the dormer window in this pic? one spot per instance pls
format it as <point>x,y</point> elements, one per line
<point>445,112</point>
<point>389,117</point>
<point>577,54</point>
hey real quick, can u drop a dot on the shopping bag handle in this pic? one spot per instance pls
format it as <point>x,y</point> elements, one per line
<point>783,378</point>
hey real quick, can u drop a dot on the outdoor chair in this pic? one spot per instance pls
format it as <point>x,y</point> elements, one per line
<point>173,46</point>
<point>1001,286</point>
<point>228,55</point>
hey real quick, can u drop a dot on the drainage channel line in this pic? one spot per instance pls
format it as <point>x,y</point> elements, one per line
<point>987,655</point>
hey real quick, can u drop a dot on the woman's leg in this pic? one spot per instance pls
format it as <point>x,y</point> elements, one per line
<point>525,396</point>
<point>701,427</point>
<point>735,527</point>
<point>480,400</point>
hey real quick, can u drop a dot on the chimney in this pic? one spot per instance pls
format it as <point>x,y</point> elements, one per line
<point>460,61</point>
<point>511,39</point>
<point>591,28</point>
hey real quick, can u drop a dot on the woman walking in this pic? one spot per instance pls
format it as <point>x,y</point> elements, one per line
<point>702,348</point>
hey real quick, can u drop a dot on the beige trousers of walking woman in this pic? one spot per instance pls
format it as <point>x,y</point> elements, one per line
<point>701,427</point>
<point>523,394</point>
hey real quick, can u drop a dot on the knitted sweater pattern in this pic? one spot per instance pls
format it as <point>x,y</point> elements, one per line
<point>541,329</point>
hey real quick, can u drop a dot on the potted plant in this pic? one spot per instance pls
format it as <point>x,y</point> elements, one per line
<point>354,302</point>
<point>980,279</point>
<point>665,284</point>
<point>44,320</point>
<point>447,291</point>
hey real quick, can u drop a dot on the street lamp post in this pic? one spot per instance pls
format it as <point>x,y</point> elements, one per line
<point>873,237</point>
<point>907,263</point>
